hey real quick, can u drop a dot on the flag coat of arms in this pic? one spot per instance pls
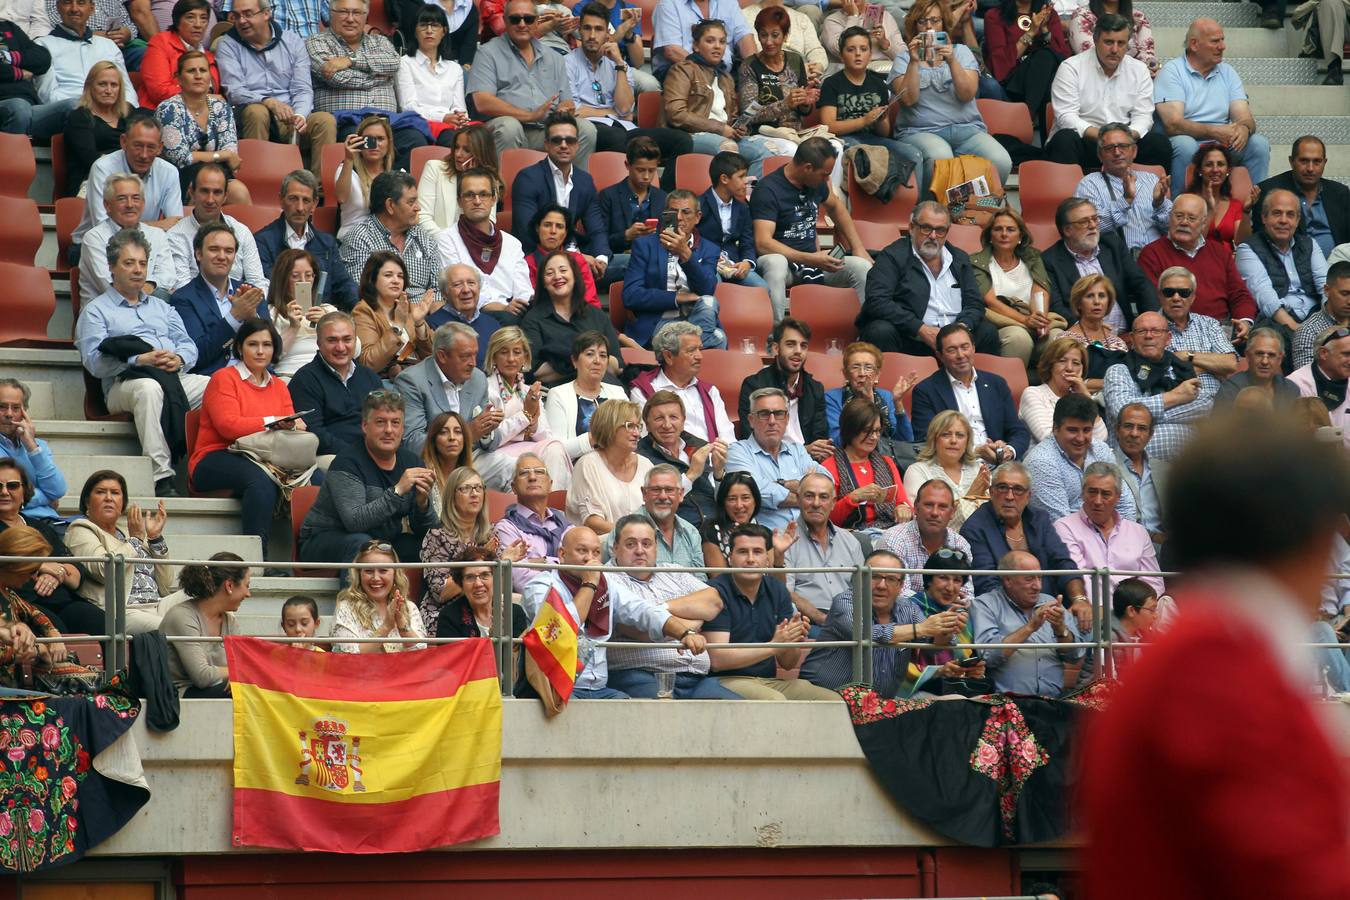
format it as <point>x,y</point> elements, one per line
<point>364,753</point>
<point>551,652</point>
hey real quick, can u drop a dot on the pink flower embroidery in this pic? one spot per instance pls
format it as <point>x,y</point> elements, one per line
<point>68,787</point>
<point>6,824</point>
<point>51,737</point>
<point>36,820</point>
<point>15,754</point>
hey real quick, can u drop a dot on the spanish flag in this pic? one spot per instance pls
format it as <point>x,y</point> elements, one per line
<point>364,753</point>
<point>551,663</point>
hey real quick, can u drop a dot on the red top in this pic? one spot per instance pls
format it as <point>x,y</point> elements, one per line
<point>159,69</point>
<point>1220,290</point>
<point>1208,775</point>
<point>863,475</point>
<point>1225,230</point>
<point>1000,42</point>
<point>233,407</point>
<point>532,261</point>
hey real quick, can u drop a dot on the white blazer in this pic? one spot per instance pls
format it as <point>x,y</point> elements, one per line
<point>560,409</point>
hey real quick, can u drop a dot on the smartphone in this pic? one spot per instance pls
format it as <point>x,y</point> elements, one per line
<point>838,251</point>
<point>652,223</point>
<point>970,662</point>
<point>670,220</point>
<point>304,294</point>
<point>872,15</point>
<point>370,142</point>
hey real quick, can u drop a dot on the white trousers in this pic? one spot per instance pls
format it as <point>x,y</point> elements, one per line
<point>144,399</point>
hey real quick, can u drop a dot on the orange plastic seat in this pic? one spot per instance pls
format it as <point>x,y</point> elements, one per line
<point>18,168</point>
<point>830,311</point>
<point>1003,117</point>
<point>1012,371</point>
<point>691,172</point>
<point>727,370</point>
<point>1042,186</point>
<point>60,168</point>
<point>191,422</point>
<point>27,297</point>
<point>302,499</point>
<point>423,155</point>
<point>20,230</point>
<point>863,205</point>
<point>254,218</point>
<point>966,237</point>
<point>264,165</point>
<point>607,167</point>
<point>746,312</point>
<point>877,236</point>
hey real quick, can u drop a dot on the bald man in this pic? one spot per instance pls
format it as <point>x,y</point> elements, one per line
<point>1016,612</point>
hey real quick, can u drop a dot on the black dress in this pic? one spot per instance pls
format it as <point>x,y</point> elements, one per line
<point>69,612</point>
<point>87,138</point>
<point>456,620</point>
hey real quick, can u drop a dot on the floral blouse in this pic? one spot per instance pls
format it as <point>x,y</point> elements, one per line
<point>14,609</point>
<point>346,624</point>
<point>1140,47</point>
<point>183,136</point>
<point>439,545</point>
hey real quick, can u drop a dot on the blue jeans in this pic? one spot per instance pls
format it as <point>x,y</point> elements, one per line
<point>641,684</point>
<point>705,316</point>
<point>1255,156</point>
<point>752,148</point>
<point>990,89</point>
<point>1337,662</point>
<point>18,116</point>
<point>603,693</point>
<point>751,279</point>
<point>955,140</point>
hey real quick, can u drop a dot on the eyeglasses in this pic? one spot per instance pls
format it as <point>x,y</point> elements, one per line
<point>533,470</point>
<point>477,576</point>
<point>862,368</point>
<point>936,230</point>
<point>930,20</point>
<point>476,196</point>
<point>1176,292</point>
<point>765,415</point>
<point>12,486</point>
<point>1092,221</point>
<point>349,13</point>
<point>562,139</point>
<point>522,20</point>
<point>1335,335</point>
<point>1139,330</point>
<point>595,86</point>
<point>631,426</point>
<point>430,25</point>
<point>662,489</point>
<point>887,579</point>
<point>470,489</point>
<point>1116,148</point>
<point>1017,490</point>
<point>872,432</point>
<point>1186,217</point>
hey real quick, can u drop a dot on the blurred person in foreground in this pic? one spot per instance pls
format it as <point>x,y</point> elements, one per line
<point>1255,561</point>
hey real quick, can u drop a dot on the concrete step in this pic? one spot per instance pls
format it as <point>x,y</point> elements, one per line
<point>1300,104</point>
<point>203,546</point>
<point>187,515</point>
<point>261,613</point>
<point>60,369</point>
<point>74,438</point>
<point>135,469</point>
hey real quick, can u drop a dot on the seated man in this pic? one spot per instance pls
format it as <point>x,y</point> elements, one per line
<point>1016,612</point>
<point>1326,377</point>
<point>672,276</point>
<point>372,490</point>
<point>530,519</point>
<point>1196,338</point>
<point>560,179</point>
<point>19,442</point>
<point>819,544</point>
<point>18,96</point>
<point>757,609</point>
<point>72,47</point>
<point>674,41</point>
<point>159,181</point>
<point>497,256</point>
<point>516,83</point>
<point>208,196</point>
<point>1325,203</point>
<point>681,595</point>
<point>137,345</point>
<point>784,208</point>
<point>213,305</point>
<point>1333,313</point>
<point>298,16</point>
<point>679,351</point>
<point>1106,86</point>
<point>678,543</point>
<point>1084,248</point>
<point>1130,202</point>
<point>294,230</point>
<point>1282,265</point>
<point>697,461</point>
<point>627,207</point>
<point>1168,386</point>
<point>461,286</point>
<point>1056,466</point>
<point>921,285</point>
<point>927,533</point>
<point>123,202</point>
<point>776,463</point>
<point>1141,477</point>
<point>997,434</point>
<point>1098,537</point>
<point>1200,98</point>
<point>449,382</point>
<point>333,385</point>
<point>724,219</point>
<point>1221,293</point>
<point>393,227</point>
<point>353,70</point>
<point>807,423</point>
<point>1265,367</point>
<point>264,69</point>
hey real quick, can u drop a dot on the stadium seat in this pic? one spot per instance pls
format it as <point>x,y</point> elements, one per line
<point>1239,180</point>
<point>512,161</point>
<point>1049,117</point>
<point>830,311</point>
<point>423,155</point>
<point>827,368</point>
<point>746,312</point>
<point>191,422</point>
<point>1003,117</point>
<point>608,167</point>
<point>896,365</point>
<point>877,236</point>
<point>618,316</point>
<point>649,110</point>
<point>302,498</point>
<point>1156,170</point>
<point>28,300</point>
<point>966,237</point>
<point>95,407</point>
<point>328,167</point>
<point>633,357</point>
<point>864,206</point>
<point>774,163</point>
<point>18,168</point>
<point>691,172</point>
<point>59,170</point>
<point>264,164</point>
<point>69,211</point>
<point>20,230</point>
<point>253,217</point>
<point>88,653</point>
<point>1012,371</point>
<point>378,19</point>
<point>326,219</point>
<point>1043,235</point>
<point>1042,185</point>
<point>648,8</point>
<point>726,370</point>
<point>497,503</point>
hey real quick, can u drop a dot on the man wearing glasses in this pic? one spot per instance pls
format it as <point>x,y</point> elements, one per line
<point>19,442</point>
<point>559,179</point>
<point>1130,202</point>
<point>1198,339</point>
<point>776,464</point>
<point>1327,375</point>
<point>1084,248</point>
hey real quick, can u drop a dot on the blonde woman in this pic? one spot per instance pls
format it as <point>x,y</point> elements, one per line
<point>607,482</point>
<point>375,604</point>
<point>360,165</point>
<point>948,455</point>
<point>524,428</point>
<point>94,127</point>
<point>1011,276</point>
<point>1063,370</point>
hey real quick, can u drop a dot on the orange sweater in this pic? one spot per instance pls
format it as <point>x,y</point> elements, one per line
<point>233,407</point>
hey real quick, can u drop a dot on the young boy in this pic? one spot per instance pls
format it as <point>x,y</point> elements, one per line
<point>628,206</point>
<point>300,618</point>
<point>726,219</point>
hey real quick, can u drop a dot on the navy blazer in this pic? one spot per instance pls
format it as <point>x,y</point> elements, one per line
<point>533,188</point>
<point>1134,293</point>
<point>196,305</point>
<point>618,206</point>
<point>644,282</point>
<point>934,394</point>
<point>898,292</point>
<point>339,289</point>
<point>740,243</point>
<point>988,542</point>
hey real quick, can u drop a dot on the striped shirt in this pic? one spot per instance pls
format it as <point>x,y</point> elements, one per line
<point>656,591</point>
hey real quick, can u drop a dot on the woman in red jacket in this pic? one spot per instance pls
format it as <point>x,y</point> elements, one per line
<point>1024,44</point>
<point>871,493</point>
<point>242,399</point>
<point>159,67</point>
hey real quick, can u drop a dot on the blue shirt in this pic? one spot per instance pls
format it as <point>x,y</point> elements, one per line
<point>594,86</point>
<point>304,17</point>
<point>161,188</point>
<point>1140,222</point>
<point>49,485</point>
<point>938,105</point>
<point>110,315</point>
<point>749,621</point>
<point>1297,302</point>
<point>1204,98</point>
<point>674,24</point>
<point>832,667</point>
<point>791,463</point>
<point>459,13</point>
<point>994,617</point>
<point>1315,220</point>
<point>1057,484</point>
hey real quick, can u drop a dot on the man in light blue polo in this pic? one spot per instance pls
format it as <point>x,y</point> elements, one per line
<point>676,18</point>
<point>776,464</point>
<point>1201,99</point>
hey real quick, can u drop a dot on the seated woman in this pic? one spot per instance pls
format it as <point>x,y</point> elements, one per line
<point>1230,218</point>
<point>438,188</point>
<point>53,589</point>
<point>1134,615</point>
<point>214,592</point>
<point>199,127</point>
<point>871,493</point>
<point>558,315</point>
<point>1083,20</point>
<point>360,164</point>
<point>862,371</point>
<point>241,399</point>
<point>569,406</point>
<point>948,455</point>
<point>430,82</point>
<point>391,327</point>
<point>159,66</point>
<point>1061,369</point>
<point>300,619</point>
<point>1091,300</point>
<point>607,482</point>
<point>738,502</point>
<point>445,450</point>
<point>945,601</point>
<point>293,321</point>
<point>470,613</point>
<point>375,604</point>
<point>554,230</point>
<point>1024,43</point>
<point>94,127</point>
<point>20,623</point>
<point>102,502</point>
<point>1011,276</point>
<point>524,428</point>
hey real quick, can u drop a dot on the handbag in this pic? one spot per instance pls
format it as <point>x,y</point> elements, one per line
<point>998,320</point>
<point>288,457</point>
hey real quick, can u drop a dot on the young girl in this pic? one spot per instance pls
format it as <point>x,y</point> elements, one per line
<point>300,618</point>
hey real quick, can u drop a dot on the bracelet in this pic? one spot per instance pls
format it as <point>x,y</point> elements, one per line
<point>590,584</point>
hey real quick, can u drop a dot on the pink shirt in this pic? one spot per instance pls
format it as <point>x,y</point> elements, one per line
<point>1127,548</point>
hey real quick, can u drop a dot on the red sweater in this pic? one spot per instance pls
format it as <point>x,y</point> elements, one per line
<point>845,507</point>
<point>233,408</point>
<point>1207,775</point>
<point>1221,292</point>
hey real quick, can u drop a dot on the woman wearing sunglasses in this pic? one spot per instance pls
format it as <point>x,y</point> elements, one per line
<point>375,604</point>
<point>945,602</point>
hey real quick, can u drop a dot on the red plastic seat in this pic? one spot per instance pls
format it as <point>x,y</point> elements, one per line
<point>253,217</point>
<point>607,167</point>
<point>378,19</point>
<point>69,211</point>
<point>648,8</point>
<point>774,163</point>
<point>423,155</point>
<point>649,109</point>
<point>302,498</point>
<point>746,312</point>
<point>864,206</point>
<point>28,301</point>
<point>634,357</point>
<point>1042,185</point>
<point>618,316</point>
<point>264,164</point>
<point>877,236</point>
<point>896,365</point>
<point>95,407</point>
<point>18,168</point>
<point>191,423</point>
<point>60,170</point>
<point>1043,235</point>
<point>326,219</point>
<point>827,368</point>
<point>830,311</point>
<point>1012,371</point>
<point>727,370</point>
<point>512,161</point>
<point>691,172</point>
<point>329,161</point>
<point>1003,117</point>
<point>20,230</point>
<point>497,503</point>
<point>966,237</point>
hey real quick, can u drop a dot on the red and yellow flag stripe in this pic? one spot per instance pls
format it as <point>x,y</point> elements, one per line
<point>551,642</point>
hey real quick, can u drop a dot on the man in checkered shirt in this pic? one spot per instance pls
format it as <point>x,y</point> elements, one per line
<point>392,225</point>
<point>1197,339</point>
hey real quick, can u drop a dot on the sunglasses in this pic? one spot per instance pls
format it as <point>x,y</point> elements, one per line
<point>1335,335</point>
<point>12,486</point>
<point>1177,292</point>
<point>381,546</point>
<point>522,20</point>
<point>562,139</point>
<point>949,553</point>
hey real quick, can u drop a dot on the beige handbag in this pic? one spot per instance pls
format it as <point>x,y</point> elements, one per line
<point>288,457</point>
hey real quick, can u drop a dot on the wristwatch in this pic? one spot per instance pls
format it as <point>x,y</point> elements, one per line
<point>620,68</point>
<point>688,631</point>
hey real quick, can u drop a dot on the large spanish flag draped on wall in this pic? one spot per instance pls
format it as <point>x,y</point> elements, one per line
<point>364,753</point>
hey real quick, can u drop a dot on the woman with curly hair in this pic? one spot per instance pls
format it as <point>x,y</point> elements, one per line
<point>375,604</point>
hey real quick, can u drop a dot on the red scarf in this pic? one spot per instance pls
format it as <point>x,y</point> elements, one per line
<point>484,249</point>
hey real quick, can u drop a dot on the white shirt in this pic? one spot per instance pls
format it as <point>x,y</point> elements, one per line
<point>944,293</point>
<point>430,92</point>
<point>1086,97</point>
<point>724,213</point>
<point>968,402</point>
<point>452,394</point>
<point>247,264</point>
<point>718,111</point>
<point>95,277</point>
<point>562,184</point>
<point>297,241</point>
<point>510,278</point>
<point>694,422</point>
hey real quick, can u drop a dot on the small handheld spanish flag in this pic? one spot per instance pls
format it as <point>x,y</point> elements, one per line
<point>551,661</point>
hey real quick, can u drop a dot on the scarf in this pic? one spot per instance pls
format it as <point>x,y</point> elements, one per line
<point>1331,393</point>
<point>1156,377</point>
<point>938,656</point>
<point>884,515</point>
<point>597,617</point>
<point>887,426</point>
<point>718,67</point>
<point>484,249</point>
<point>552,537</point>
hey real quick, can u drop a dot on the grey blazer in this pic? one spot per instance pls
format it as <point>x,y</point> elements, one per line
<point>424,396</point>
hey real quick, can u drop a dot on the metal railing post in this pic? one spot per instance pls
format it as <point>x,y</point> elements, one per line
<point>502,625</point>
<point>1104,637</point>
<point>110,609</point>
<point>862,627</point>
<point>119,580</point>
